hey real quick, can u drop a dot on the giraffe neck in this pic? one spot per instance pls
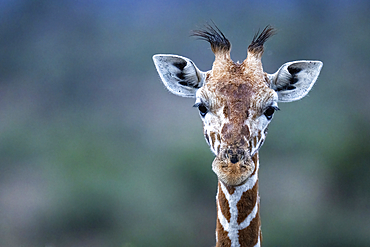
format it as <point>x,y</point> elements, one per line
<point>238,220</point>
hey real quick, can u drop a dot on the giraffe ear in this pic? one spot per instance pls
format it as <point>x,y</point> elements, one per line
<point>179,74</point>
<point>295,79</point>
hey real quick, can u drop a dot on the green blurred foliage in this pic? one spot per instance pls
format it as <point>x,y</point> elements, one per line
<point>95,152</point>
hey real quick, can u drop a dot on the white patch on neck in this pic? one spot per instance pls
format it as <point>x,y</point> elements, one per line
<point>233,227</point>
<point>258,244</point>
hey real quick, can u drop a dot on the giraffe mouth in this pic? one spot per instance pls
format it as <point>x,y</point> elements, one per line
<point>233,173</point>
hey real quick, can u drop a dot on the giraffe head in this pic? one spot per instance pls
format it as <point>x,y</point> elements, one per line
<point>236,101</point>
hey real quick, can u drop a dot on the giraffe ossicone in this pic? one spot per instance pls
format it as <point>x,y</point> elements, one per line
<point>236,102</point>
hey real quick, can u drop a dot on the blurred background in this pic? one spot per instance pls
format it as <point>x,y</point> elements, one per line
<point>95,152</point>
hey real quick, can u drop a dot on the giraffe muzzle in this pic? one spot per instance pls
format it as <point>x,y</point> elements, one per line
<point>233,166</point>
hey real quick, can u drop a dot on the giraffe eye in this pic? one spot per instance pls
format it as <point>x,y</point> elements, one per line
<point>269,112</point>
<point>202,109</point>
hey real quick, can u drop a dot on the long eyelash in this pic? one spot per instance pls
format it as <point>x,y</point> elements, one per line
<point>197,104</point>
<point>276,108</point>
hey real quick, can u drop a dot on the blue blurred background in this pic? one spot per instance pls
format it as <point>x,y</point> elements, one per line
<point>95,152</point>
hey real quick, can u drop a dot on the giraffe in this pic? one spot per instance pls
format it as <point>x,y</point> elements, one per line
<point>236,103</point>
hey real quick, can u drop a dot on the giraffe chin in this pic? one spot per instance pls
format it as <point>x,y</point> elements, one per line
<point>233,174</point>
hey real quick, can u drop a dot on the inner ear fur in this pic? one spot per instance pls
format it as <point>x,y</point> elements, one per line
<point>295,79</point>
<point>179,74</point>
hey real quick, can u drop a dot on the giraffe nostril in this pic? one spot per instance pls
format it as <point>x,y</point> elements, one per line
<point>234,155</point>
<point>234,159</point>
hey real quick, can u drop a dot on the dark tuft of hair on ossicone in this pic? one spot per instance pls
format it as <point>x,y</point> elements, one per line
<point>213,35</point>
<point>259,39</point>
